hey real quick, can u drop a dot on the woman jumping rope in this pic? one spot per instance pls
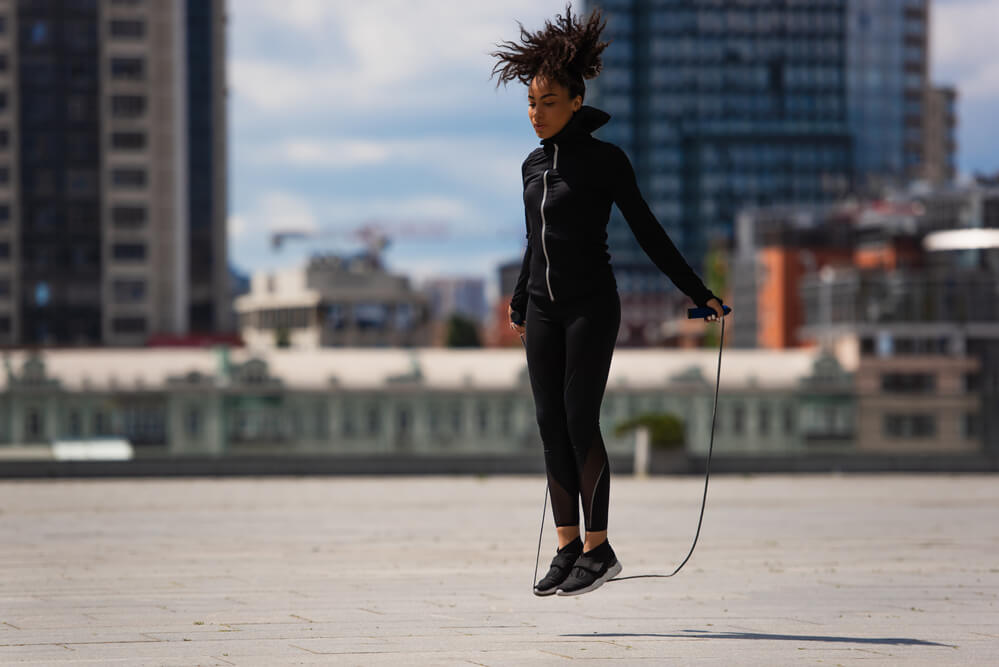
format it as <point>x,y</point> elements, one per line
<point>566,288</point>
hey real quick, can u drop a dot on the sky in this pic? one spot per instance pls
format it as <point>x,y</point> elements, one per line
<point>346,113</point>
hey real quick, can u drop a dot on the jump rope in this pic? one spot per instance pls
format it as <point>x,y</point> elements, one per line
<point>692,313</point>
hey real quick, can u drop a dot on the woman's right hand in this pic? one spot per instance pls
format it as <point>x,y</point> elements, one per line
<point>519,328</point>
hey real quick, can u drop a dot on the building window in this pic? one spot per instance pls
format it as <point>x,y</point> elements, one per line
<point>33,424</point>
<point>294,424</point>
<point>80,147</point>
<point>971,426</point>
<point>738,419</point>
<point>402,419</point>
<point>102,425</point>
<point>434,419</point>
<point>506,417</point>
<point>75,426</point>
<point>374,420</point>
<point>456,418</point>
<point>4,176</point>
<point>129,291</point>
<point>788,419</point>
<point>908,383</point>
<point>4,214</point>
<point>764,420</point>
<point>128,325</point>
<point>483,417</point>
<point>404,315</point>
<point>128,141</point>
<point>128,217</point>
<point>192,422</point>
<point>336,314</point>
<point>128,28</point>
<point>370,315</point>
<point>909,426</point>
<point>128,177</point>
<point>129,252</point>
<point>321,421</point>
<point>132,69</point>
<point>347,426</point>
<point>127,106</point>
<point>81,183</point>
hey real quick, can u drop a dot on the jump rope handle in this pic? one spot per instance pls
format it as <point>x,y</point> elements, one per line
<point>694,313</point>
<point>517,318</point>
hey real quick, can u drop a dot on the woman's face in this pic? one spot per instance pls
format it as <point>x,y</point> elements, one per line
<point>549,106</point>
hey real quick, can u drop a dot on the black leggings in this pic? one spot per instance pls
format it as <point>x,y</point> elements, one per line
<point>569,348</point>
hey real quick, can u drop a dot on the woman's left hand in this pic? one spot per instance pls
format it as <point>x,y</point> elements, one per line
<point>715,305</point>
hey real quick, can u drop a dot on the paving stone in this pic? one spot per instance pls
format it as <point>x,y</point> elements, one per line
<point>823,569</point>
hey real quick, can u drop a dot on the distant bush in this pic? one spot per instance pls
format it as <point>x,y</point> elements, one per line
<point>665,430</point>
<point>461,332</point>
<point>282,337</point>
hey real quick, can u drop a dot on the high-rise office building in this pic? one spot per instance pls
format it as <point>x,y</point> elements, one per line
<point>887,54</point>
<point>112,170</point>
<point>719,104</point>
<point>727,104</point>
<point>940,145</point>
<point>453,295</point>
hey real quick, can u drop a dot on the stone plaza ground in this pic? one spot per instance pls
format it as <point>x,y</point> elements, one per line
<point>809,569</point>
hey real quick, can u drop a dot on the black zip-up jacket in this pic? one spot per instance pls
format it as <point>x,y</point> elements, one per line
<point>570,183</point>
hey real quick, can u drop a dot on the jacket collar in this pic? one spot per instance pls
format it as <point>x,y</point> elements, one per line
<point>582,123</point>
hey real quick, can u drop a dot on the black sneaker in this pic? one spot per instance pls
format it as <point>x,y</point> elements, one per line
<point>561,565</point>
<point>591,570</point>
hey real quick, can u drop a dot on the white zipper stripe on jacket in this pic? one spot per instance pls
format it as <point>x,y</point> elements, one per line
<point>544,196</point>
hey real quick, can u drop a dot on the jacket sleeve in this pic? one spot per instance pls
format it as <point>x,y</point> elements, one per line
<point>519,300</point>
<point>650,234</point>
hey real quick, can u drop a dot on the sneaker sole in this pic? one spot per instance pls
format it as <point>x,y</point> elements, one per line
<point>611,572</point>
<point>549,591</point>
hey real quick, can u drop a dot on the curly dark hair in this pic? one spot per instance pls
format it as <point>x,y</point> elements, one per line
<point>566,51</point>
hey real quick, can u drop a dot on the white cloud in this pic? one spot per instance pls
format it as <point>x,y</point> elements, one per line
<point>416,216</point>
<point>391,55</point>
<point>283,210</point>
<point>237,226</point>
<point>343,153</point>
<point>983,84</point>
<point>413,209</point>
<point>484,163</point>
<point>962,36</point>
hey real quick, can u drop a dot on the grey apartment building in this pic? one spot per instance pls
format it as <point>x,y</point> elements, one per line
<point>112,170</point>
<point>724,104</point>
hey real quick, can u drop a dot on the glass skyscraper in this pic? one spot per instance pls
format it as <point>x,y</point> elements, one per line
<point>112,171</point>
<point>719,105</point>
<point>886,75</point>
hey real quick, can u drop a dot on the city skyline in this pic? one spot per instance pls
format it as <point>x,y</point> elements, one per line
<point>341,114</point>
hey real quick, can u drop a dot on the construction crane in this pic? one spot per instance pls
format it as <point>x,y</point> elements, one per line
<point>374,234</point>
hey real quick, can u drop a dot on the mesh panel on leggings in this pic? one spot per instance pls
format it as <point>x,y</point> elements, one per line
<point>565,503</point>
<point>594,485</point>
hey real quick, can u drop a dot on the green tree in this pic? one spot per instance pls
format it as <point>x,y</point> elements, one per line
<point>461,332</point>
<point>665,430</point>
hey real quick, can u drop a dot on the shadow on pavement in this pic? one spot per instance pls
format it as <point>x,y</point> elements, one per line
<point>706,634</point>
